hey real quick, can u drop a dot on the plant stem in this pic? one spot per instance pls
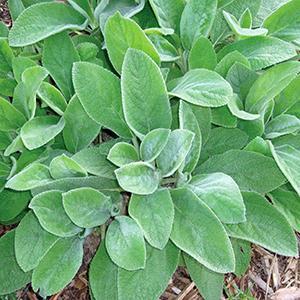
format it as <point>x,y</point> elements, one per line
<point>168,181</point>
<point>136,144</point>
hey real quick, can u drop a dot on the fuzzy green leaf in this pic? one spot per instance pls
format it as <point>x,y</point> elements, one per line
<point>125,244</point>
<point>87,207</point>
<point>155,214</point>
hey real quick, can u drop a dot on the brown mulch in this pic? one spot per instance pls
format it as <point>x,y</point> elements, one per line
<point>269,277</point>
<point>4,13</point>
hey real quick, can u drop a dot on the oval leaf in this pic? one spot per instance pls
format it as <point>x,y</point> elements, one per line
<point>155,214</point>
<point>42,20</point>
<point>122,153</point>
<point>210,246</point>
<point>220,192</point>
<point>104,105</point>
<point>32,176</point>
<point>9,266</point>
<point>144,95</point>
<point>63,166</point>
<point>123,33</point>
<point>153,143</point>
<point>250,170</point>
<point>265,226</point>
<point>203,87</point>
<point>178,146</point>
<point>58,266</point>
<point>32,242</point>
<point>138,178</point>
<point>262,51</point>
<point>48,207</point>
<point>87,207</point>
<point>125,244</point>
<point>40,130</point>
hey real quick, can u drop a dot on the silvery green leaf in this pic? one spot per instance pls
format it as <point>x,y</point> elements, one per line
<point>288,160</point>
<point>155,214</point>
<point>265,226</point>
<point>212,250</point>
<point>138,177</point>
<point>125,244</point>
<point>262,51</point>
<point>221,193</point>
<point>144,95</point>
<point>282,125</point>
<point>202,87</point>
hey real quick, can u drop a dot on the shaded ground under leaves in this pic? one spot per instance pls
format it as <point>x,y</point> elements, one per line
<point>269,277</point>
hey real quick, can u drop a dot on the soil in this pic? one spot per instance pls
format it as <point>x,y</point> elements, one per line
<point>269,277</point>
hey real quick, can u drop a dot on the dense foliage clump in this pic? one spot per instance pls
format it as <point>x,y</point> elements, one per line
<point>168,127</point>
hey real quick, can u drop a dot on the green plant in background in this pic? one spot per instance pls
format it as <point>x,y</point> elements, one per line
<point>171,127</point>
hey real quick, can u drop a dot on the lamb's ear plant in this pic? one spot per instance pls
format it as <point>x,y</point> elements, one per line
<point>169,128</point>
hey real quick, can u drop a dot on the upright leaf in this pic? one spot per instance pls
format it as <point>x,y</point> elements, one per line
<point>59,54</point>
<point>32,242</point>
<point>144,95</point>
<point>288,97</point>
<point>9,266</point>
<point>153,143</point>
<point>94,160</point>
<point>10,118</point>
<point>125,244</point>
<point>43,20</point>
<point>52,97</point>
<point>210,246</point>
<point>168,12</point>
<point>196,20</point>
<point>80,130</point>
<point>220,29</point>
<point>209,283</point>
<point>24,98</point>
<point>229,60</point>
<point>242,253</point>
<point>127,8</point>
<point>121,34</point>
<point>63,166</point>
<point>288,160</point>
<point>12,204</point>
<point>174,153</point>
<point>20,64</point>
<point>202,55</point>
<point>58,266</point>
<point>282,125</point>
<point>123,153</point>
<point>103,267</point>
<point>265,226</point>
<point>187,120</point>
<point>104,105</point>
<point>155,214</point>
<point>287,202</point>
<point>6,56</point>
<point>151,281</point>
